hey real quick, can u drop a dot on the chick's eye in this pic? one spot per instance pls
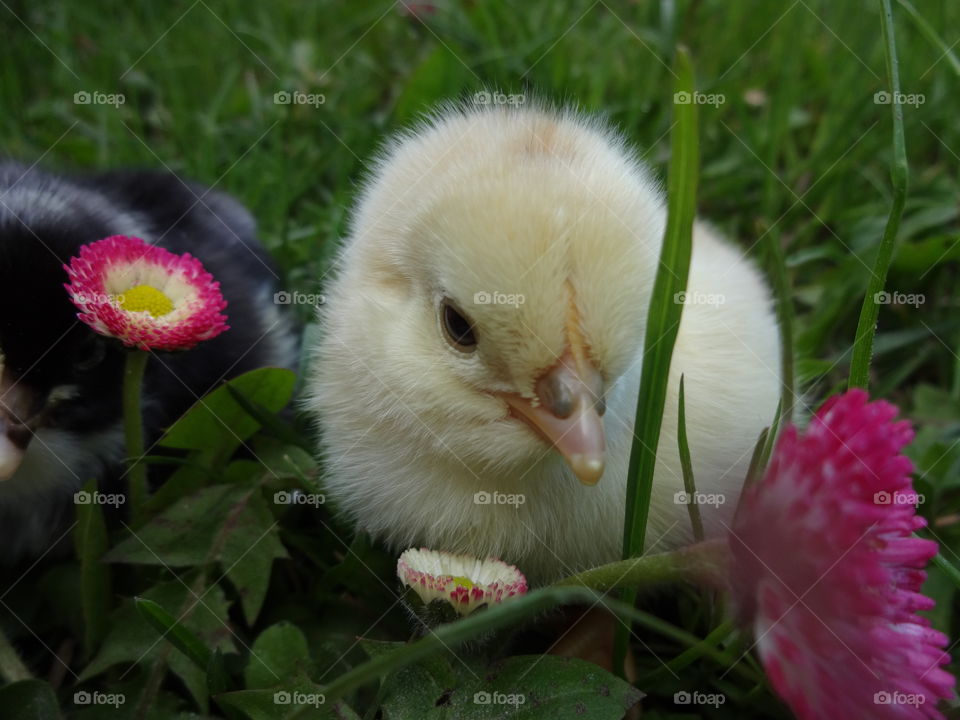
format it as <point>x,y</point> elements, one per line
<point>457,328</point>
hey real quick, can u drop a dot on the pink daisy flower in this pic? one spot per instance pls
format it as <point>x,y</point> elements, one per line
<point>827,571</point>
<point>463,581</point>
<point>145,296</point>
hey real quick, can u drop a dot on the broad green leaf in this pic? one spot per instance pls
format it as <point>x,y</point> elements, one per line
<point>90,541</point>
<point>297,697</point>
<point>132,640</point>
<point>543,687</point>
<point>29,700</point>
<point>279,653</point>
<point>218,421</point>
<point>228,524</point>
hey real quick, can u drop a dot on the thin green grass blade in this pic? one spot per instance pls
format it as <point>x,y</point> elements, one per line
<point>663,317</point>
<point>928,31</point>
<point>866,327</point>
<point>689,486</point>
<point>663,323</point>
<point>173,631</point>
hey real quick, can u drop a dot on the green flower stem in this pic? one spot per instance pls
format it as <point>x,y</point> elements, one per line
<point>867,325</point>
<point>12,668</point>
<point>703,564</point>
<point>133,428</point>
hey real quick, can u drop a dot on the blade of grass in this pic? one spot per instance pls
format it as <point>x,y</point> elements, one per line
<point>948,567</point>
<point>90,540</point>
<point>663,322</point>
<point>866,327</point>
<point>928,31</point>
<point>176,633</point>
<point>687,466</point>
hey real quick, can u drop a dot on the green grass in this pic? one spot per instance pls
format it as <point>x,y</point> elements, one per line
<point>795,165</point>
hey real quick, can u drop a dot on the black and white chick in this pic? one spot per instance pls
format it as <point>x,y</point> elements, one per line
<point>60,383</point>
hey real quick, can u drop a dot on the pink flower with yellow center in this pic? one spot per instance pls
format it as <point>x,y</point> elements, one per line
<point>463,581</point>
<point>144,295</point>
<point>827,571</point>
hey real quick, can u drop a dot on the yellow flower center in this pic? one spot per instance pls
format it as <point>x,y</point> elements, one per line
<point>144,298</point>
<point>463,582</point>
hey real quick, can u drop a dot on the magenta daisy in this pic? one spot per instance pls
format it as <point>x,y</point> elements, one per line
<point>828,573</point>
<point>144,295</point>
<point>463,581</point>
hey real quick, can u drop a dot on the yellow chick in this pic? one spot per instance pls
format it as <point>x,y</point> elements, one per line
<point>476,381</point>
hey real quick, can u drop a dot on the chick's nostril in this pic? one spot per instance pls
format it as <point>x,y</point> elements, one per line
<point>601,404</point>
<point>555,394</point>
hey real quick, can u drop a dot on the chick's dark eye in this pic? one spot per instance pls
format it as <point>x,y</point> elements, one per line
<point>456,328</point>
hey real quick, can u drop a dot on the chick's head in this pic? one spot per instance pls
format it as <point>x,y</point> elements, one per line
<point>492,292</point>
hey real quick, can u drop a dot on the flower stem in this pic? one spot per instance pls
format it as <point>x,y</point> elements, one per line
<point>133,428</point>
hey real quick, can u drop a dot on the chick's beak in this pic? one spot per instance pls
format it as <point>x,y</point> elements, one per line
<point>568,414</point>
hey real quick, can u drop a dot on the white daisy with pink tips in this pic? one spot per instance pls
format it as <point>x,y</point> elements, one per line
<point>463,581</point>
<point>144,295</point>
